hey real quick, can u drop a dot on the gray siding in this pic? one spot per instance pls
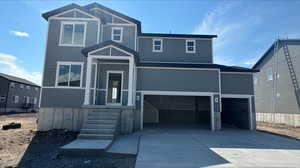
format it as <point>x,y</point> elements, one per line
<point>177,80</point>
<point>278,94</point>
<point>174,51</point>
<point>56,53</point>
<point>67,98</point>
<point>237,83</point>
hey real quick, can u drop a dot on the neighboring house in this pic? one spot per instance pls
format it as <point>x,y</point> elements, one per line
<point>98,58</point>
<point>277,84</point>
<point>17,94</point>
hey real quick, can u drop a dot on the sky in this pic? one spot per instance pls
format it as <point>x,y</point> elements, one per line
<point>245,29</point>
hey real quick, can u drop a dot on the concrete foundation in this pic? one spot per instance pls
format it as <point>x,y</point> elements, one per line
<point>288,119</point>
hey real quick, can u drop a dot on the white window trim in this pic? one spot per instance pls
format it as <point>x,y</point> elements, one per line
<point>121,35</point>
<point>21,86</point>
<point>68,63</point>
<point>16,99</point>
<point>12,85</point>
<point>122,84</point>
<point>34,100</point>
<point>186,46</point>
<point>27,99</point>
<point>61,33</point>
<point>153,45</point>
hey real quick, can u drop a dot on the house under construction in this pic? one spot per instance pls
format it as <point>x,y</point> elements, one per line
<point>277,84</point>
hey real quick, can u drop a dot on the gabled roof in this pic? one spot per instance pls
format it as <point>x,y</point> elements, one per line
<point>264,56</point>
<point>86,50</point>
<point>63,9</point>
<point>223,68</point>
<point>96,5</point>
<point>16,79</point>
<point>177,35</point>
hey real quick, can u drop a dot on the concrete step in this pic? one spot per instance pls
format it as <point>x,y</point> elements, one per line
<point>101,121</point>
<point>97,131</point>
<point>96,136</point>
<point>99,126</point>
<point>102,117</point>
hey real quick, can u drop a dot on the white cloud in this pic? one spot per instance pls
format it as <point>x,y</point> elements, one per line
<point>20,34</point>
<point>9,65</point>
<point>251,61</point>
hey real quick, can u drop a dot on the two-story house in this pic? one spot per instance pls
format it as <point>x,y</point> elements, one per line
<point>99,60</point>
<point>18,95</point>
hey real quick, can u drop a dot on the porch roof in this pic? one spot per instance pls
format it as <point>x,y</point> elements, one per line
<point>108,43</point>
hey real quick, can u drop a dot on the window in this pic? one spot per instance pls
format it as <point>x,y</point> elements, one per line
<point>21,86</point>
<point>34,100</point>
<point>2,99</point>
<point>69,75</point>
<point>28,87</point>
<point>36,89</point>
<point>269,74</point>
<point>26,99</point>
<point>190,46</point>
<point>73,34</point>
<point>16,99</point>
<point>116,34</point>
<point>157,45</point>
<point>12,85</point>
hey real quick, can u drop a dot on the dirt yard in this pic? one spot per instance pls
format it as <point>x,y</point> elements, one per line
<point>280,129</point>
<point>27,148</point>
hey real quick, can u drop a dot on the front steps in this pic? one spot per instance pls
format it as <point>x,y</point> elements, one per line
<point>97,134</point>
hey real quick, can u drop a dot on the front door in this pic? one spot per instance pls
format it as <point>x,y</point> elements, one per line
<point>114,88</point>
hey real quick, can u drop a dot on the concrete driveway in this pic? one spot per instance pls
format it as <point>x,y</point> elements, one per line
<point>194,147</point>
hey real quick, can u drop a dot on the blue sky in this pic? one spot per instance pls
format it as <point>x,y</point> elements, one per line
<point>245,28</point>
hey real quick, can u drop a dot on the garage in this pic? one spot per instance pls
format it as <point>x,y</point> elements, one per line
<point>235,113</point>
<point>176,110</point>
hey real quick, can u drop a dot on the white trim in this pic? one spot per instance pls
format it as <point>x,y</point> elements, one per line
<point>118,63</point>
<point>186,46</point>
<point>153,45</point>
<point>76,10</point>
<point>243,73</point>
<point>177,93</point>
<point>58,63</point>
<point>193,69</point>
<point>88,81</point>
<point>250,113</point>
<point>121,34</point>
<point>112,46</point>
<point>107,78</point>
<point>118,24</point>
<point>235,96</point>
<point>182,38</point>
<point>72,23</point>
<point>111,14</point>
<point>95,82</point>
<point>130,82</point>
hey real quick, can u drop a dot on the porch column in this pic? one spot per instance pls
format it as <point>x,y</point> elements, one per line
<point>130,82</point>
<point>88,81</point>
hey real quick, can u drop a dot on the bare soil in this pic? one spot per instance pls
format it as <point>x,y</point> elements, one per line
<point>281,129</point>
<point>27,148</point>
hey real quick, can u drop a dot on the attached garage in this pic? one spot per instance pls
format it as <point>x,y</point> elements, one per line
<point>177,110</point>
<point>236,113</point>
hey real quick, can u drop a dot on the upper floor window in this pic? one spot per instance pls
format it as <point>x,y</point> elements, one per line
<point>73,34</point>
<point>28,87</point>
<point>269,73</point>
<point>157,45</point>
<point>12,84</point>
<point>116,34</point>
<point>2,99</point>
<point>69,74</point>
<point>36,89</point>
<point>190,46</point>
<point>34,100</point>
<point>21,86</point>
<point>26,99</point>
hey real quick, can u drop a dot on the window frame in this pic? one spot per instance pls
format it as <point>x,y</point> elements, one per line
<point>26,100</point>
<point>16,99</point>
<point>153,45</point>
<point>22,86</point>
<point>270,74</point>
<point>73,23</point>
<point>34,100</point>
<point>12,85</point>
<point>186,46</point>
<point>69,63</point>
<point>121,34</point>
<point>28,87</point>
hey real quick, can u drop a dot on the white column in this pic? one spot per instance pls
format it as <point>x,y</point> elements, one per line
<point>88,81</point>
<point>130,82</point>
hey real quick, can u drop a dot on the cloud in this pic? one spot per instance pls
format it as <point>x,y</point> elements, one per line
<point>20,34</point>
<point>9,65</point>
<point>251,61</point>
